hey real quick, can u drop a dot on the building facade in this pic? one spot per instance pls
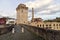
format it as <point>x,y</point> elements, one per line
<point>22,18</point>
<point>46,25</point>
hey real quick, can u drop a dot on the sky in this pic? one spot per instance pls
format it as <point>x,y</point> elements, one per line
<point>45,9</point>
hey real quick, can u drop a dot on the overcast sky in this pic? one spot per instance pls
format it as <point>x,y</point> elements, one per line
<point>46,9</point>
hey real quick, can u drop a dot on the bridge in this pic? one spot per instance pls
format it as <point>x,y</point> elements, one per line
<point>27,32</point>
<point>47,34</point>
<point>21,33</point>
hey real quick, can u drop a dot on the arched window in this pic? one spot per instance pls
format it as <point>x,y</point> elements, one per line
<point>37,25</point>
<point>53,24</point>
<point>56,24</point>
<point>22,11</point>
<point>24,21</point>
<point>40,25</point>
<point>50,25</point>
<point>57,27</point>
<point>59,24</point>
<point>46,25</point>
<point>43,25</point>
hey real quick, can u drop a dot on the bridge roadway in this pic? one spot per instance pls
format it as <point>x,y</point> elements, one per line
<point>21,33</point>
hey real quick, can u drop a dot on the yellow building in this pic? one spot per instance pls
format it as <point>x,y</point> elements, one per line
<point>38,22</point>
<point>46,25</point>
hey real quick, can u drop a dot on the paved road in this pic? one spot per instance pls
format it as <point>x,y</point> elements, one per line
<point>19,35</point>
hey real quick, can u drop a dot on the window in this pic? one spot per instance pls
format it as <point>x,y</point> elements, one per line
<point>22,11</point>
<point>59,24</point>
<point>37,25</point>
<point>46,25</point>
<point>56,24</point>
<point>40,25</point>
<point>43,25</point>
<point>50,25</point>
<point>54,27</point>
<point>53,24</point>
<point>57,27</point>
<point>24,21</point>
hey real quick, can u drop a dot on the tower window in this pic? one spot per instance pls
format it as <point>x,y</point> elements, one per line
<point>22,10</point>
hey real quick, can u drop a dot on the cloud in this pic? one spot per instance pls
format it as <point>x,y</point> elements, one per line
<point>37,3</point>
<point>44,8</point>
<point>51,9</point>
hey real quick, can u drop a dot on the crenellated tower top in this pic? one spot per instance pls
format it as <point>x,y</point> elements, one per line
<point>21,6</point>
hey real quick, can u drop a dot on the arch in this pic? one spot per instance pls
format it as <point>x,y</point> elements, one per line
<point>40,25</point>
<point>59,24</point>
<point>56,24</point>
<point>50,25</point>
<point>37,25</point>
<point>43,25</point>
<point>57,27</point>
<point>46,25</point>
<point>53,24</point>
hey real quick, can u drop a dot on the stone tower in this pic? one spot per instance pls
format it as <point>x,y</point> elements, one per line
<point>22,14</point>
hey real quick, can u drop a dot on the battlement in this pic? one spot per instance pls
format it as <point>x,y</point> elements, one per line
<point>21,6</point>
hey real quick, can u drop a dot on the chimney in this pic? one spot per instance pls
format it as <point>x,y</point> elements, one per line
<point>32,15</point>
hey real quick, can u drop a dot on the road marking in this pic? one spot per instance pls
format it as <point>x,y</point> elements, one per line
<point>22,30</point>
<point>13,31</point>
